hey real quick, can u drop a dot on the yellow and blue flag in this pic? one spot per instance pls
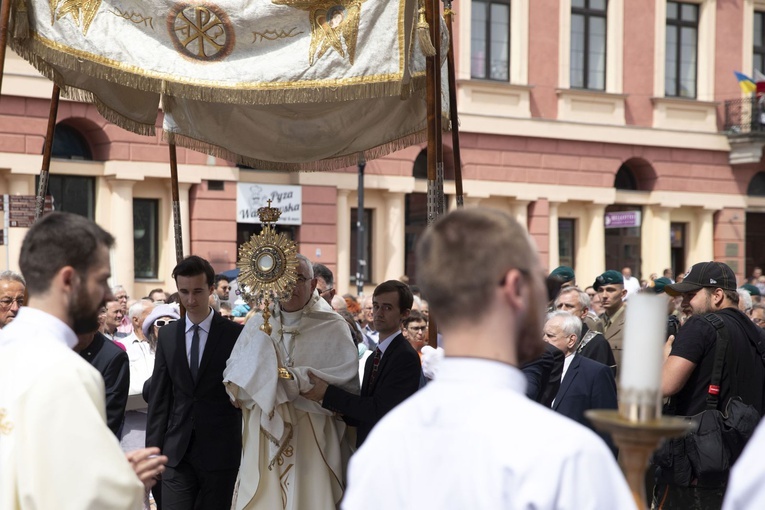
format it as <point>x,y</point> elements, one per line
<point>746,83</point>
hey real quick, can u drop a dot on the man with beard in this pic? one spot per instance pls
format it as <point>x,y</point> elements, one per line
<point>51,400</point>
<point>709,292</point>
<point>472,428</point>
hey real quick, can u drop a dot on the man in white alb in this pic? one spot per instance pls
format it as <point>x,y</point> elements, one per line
<point>56,451</point>
<point>492,323</point>
<point>294,452</point>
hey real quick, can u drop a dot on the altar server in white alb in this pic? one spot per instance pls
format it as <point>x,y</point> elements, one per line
<point>294,452</point>
<point>746,486</point>
<point>481,441</point>
<point>56,451</point>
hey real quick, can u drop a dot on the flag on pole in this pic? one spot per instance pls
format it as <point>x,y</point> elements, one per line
<point>746,83</point>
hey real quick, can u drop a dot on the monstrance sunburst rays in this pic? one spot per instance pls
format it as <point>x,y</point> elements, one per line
<point>268,266</point>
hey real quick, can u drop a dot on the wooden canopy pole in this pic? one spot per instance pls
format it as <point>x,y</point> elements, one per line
<point>176,204</point>
<point>448,13</point>
<point>433,90</point>
<point>42,189</point>
<point>5,16</point>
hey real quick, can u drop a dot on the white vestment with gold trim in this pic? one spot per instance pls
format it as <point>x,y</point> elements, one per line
<point>55,448</point>
<point>294,453</point>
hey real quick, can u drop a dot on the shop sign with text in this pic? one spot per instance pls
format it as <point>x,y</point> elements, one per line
<point>250,197</point>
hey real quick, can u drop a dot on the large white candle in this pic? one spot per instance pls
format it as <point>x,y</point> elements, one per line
<point>644,336</point>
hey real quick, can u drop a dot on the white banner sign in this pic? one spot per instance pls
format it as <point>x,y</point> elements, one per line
<point>251,197</point>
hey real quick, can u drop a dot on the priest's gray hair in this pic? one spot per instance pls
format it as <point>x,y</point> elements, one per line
<point>12,276</point>
<point>570,324</point>
<point>308,265</point>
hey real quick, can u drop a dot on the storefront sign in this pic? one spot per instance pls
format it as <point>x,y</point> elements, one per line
<point>250,197</point>
<point>623,219</point>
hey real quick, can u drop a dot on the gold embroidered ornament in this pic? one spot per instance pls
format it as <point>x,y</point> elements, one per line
<point>268,268</point>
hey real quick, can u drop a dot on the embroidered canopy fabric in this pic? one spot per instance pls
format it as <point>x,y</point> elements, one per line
<point>273,84</point>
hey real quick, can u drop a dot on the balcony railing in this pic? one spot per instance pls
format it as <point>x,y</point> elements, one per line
<point>745,116</point>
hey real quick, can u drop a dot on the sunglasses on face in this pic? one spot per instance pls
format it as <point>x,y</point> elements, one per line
<point>164,322</point>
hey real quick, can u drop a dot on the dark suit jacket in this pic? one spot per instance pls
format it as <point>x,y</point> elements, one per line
<point>543,375</point>
<point>178,408</point>
<point>598,349</point>
<point>586,385</point>
<point>114,366</point>
<point>398,377</point>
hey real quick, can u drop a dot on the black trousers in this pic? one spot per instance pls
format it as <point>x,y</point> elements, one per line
<point>190,486</point>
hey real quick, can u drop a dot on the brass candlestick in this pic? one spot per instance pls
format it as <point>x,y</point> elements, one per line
<point>636,441</point>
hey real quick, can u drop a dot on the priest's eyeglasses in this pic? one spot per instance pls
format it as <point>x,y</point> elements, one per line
<point>8,302</point>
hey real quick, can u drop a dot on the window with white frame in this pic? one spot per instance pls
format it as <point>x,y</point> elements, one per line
<point>680,69</point>
<point>758,42</point>
<point>146,237</point>
<point>490,40</point>
<point>588,44</point>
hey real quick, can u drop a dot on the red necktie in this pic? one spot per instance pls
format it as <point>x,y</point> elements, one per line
<point>375,366</point>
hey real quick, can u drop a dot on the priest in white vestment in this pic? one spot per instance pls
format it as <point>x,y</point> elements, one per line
<point>294,452</point>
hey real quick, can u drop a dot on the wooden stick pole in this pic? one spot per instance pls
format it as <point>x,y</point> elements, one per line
<point>42,189</point>
<point>448,14</point>
<point>433,91</point>
<point>176,204</point>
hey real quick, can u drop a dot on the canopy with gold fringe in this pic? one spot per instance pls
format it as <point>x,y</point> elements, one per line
<point>272,84</point>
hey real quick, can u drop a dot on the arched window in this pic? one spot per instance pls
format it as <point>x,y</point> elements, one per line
<point>757,185</point>
<point>420,168</point>
<point>625,179</point>
<point>68,143</point>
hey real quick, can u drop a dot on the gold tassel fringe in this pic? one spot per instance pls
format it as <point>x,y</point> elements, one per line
<point>423,34</point>
<point>20,20</point>
<point>45,58</point>
<point>308,166</point>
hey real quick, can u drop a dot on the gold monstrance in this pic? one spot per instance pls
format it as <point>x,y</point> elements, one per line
<point>268,268</point>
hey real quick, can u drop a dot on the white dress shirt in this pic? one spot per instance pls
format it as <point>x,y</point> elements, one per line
<point>483,445</point>
<point>386,342</point>
<point>204,331</point>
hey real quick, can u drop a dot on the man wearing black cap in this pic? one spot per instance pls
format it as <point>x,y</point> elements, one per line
<point>708,288</point>
<point>610,288</point>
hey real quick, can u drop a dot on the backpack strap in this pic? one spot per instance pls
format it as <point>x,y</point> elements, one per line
<point>721,347</point>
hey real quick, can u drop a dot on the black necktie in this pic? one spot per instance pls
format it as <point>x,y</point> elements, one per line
<point>375,366</point>
<point>195,353</point>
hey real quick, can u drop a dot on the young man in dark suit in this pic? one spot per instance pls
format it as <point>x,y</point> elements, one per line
<point>391,374</point>
<point>190,415</point>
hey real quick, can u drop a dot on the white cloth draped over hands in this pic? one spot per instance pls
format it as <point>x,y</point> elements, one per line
<point>322,346</point>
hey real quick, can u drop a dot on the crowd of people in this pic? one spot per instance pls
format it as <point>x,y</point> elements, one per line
<point>191,401</point>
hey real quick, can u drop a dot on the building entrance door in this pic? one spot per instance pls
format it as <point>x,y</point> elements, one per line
<point>623,238</point>
<point>755,241</point>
